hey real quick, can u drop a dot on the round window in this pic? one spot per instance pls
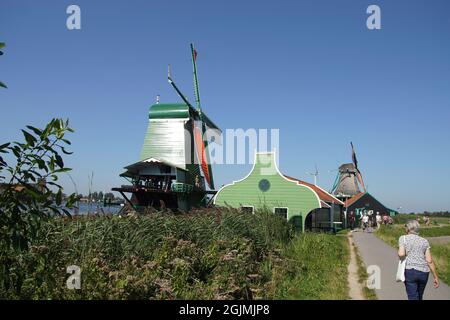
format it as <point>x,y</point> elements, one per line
<point>264,185</point>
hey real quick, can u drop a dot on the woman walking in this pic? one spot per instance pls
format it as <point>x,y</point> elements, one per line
<point>419,262</point>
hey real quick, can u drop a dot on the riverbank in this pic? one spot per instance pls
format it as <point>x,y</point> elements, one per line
<point>211,255</point>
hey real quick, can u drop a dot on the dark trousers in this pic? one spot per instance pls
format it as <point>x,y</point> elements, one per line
<point>415,283</point>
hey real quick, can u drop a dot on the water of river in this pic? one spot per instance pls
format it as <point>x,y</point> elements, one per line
<point>85,208</point>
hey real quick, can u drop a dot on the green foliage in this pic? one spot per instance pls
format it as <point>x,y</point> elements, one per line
<point>314,267</point>
<point>159,256</point>
<point>403,218</point>
<point>26,196</point>
<point>435,231</point>
<point>220,254</point>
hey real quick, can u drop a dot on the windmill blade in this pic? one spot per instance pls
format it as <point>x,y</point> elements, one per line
<point>355,161</point>
<point>202,153</point>
<point>202,141</point>
<point>360,179</point>
<point>194,67</point>
<point>169,78</point>
<point>336,181</point>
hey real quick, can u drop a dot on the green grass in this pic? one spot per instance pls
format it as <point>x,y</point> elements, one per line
<point>403,218</point>
<point>441,253</point>
<point>208,255</point>
<point>315,267</point>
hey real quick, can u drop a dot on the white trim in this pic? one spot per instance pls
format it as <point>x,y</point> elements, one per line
<point>152,160</point>
<point>302,183</point>
<point>337,200</point>
<point>326,205</point>
<point>168,119</point>
<point>248,206</point>
<point>287,211</point>
<point>277,170</point>
<point>230,184</point>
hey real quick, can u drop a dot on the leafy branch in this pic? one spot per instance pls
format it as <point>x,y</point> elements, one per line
<point>32,192</point>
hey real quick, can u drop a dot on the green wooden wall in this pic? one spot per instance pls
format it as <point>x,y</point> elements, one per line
<point>299,199</point>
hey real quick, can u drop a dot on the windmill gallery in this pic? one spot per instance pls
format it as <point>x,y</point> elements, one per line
<point>174,172</point>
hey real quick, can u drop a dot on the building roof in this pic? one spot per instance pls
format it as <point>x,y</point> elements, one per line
<point>353,199</point>
<point>358,196</point>
<point>323,195</point>
<point>179,111</point>
<point>347,167</point>
<point>133,169</point>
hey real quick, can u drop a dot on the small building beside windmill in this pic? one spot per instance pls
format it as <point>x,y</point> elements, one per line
<point>265,187</point>
<point>364,202</point>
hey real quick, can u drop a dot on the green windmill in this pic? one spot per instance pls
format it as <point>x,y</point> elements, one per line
<point>174,169</point>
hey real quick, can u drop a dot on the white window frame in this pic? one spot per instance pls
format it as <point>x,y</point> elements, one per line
<point>248,206</point>
<point>287,211</point>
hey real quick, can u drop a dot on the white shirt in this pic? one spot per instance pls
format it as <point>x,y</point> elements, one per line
<point>415,248</point>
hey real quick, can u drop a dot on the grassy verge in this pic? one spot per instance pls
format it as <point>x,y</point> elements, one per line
<point>208,255</point>
<point>434,221</point>
<point>441,253</point>
<point>314,267</point>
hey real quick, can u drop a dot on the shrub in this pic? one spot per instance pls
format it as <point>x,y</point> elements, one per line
<point>158,256</point>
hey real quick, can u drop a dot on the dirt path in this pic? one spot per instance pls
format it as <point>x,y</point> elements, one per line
<point>376,252</point>
<point>355,291</point>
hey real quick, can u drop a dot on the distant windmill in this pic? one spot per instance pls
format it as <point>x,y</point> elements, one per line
<point>349,180</point>
<point>315,174</point>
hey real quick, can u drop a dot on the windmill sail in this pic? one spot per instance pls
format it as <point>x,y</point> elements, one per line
<point>202,154</point>
<point>355,161</point>
<point>200,137</point>
<point>358,173</point>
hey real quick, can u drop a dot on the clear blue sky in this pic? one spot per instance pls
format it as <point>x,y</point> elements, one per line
<point>310,68</point>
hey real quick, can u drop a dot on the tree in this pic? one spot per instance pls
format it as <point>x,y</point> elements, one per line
<point>31,192</point>
<point>109,196</point>
<point>2,45</point>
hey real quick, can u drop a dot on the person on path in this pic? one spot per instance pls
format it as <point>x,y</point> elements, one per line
<point>419,262</point>
<point>426,219</point>
<point>365,221</point>
<point>378,219</point>
<point>352,220</point>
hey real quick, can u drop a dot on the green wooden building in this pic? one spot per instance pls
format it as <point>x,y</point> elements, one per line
<point>266,187</point>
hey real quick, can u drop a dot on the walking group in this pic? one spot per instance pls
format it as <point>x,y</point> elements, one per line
<point>368,220</point>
